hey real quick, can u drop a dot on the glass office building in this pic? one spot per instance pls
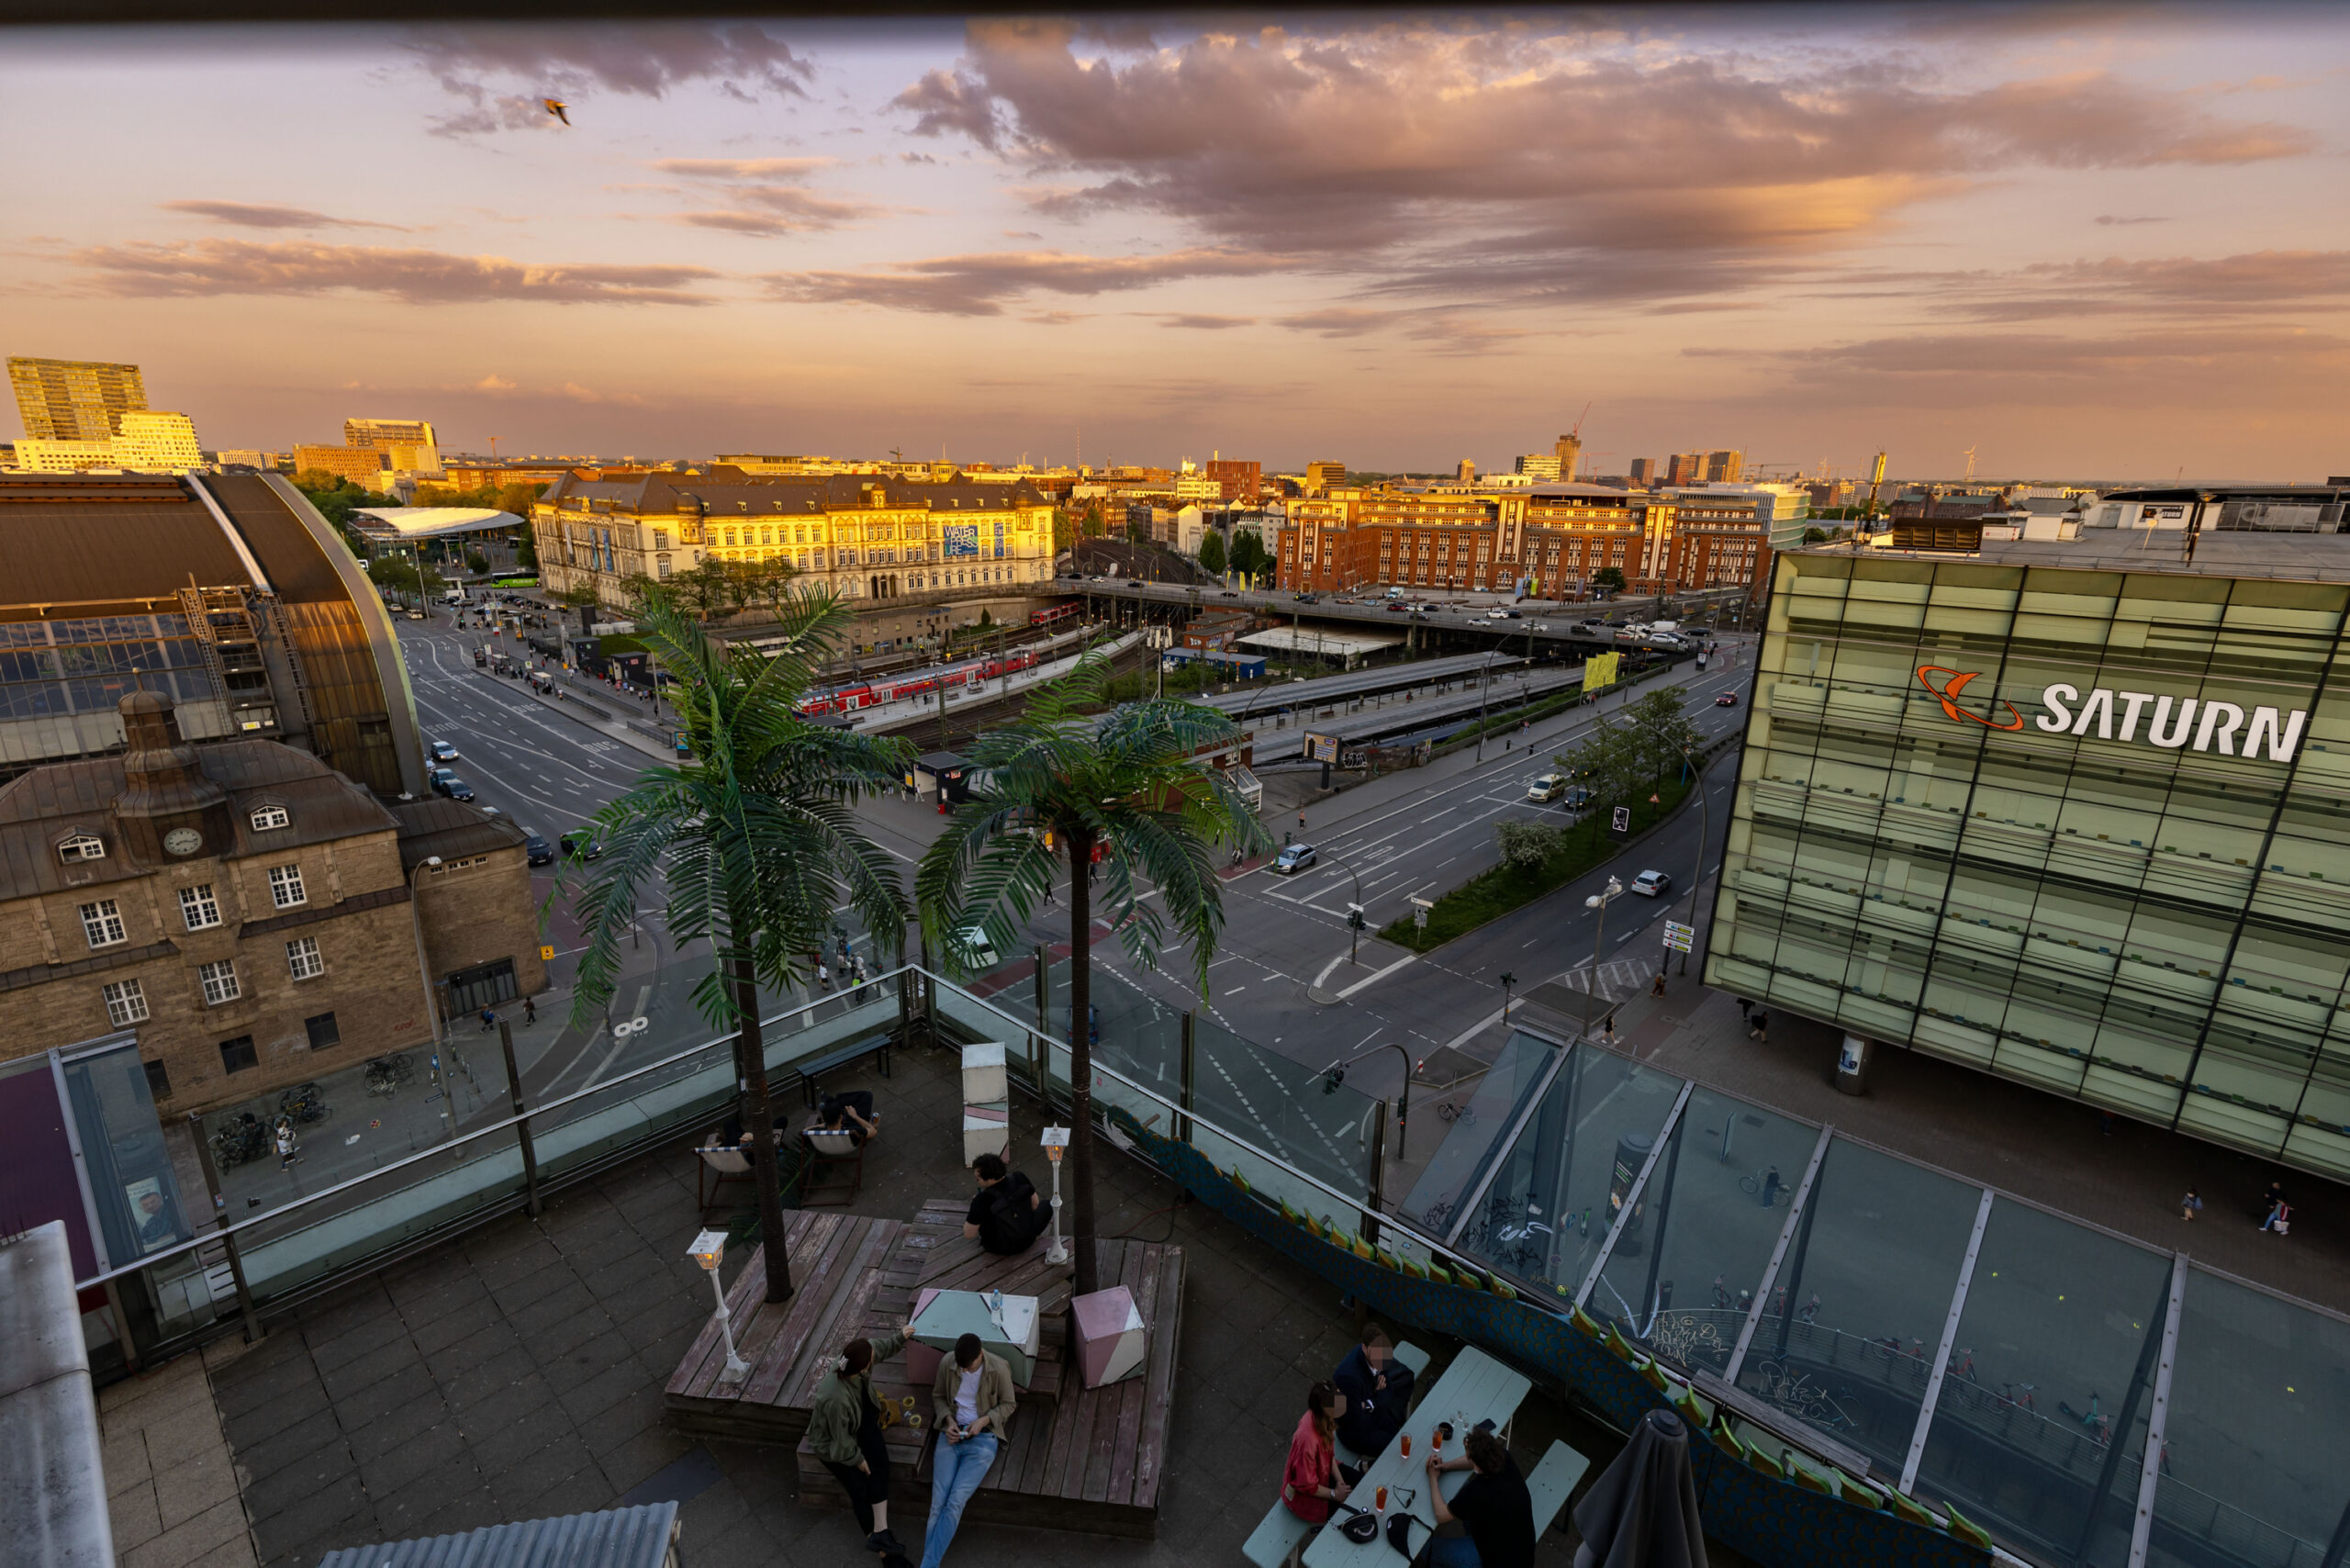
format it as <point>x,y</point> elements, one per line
<point>2076,816</point>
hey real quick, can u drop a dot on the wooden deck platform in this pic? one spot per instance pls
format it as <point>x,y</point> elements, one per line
<point>1077,1459</point>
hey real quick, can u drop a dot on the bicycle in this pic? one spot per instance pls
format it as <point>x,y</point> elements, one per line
<point>387,1075</point>
<point>1961,1364</point>
<point>2016,1396</point>
<point>304,1105</point>
<point>1781,1194</point>
<point>1446,1111</point>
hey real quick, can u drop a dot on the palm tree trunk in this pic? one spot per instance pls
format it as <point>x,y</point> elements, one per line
<point>751,1055</point>
<point>1080,1061</point>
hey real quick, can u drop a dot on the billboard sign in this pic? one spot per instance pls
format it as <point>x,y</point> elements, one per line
<point>2169,721</point>
<point>961,541</point>
<point>1321,748</point>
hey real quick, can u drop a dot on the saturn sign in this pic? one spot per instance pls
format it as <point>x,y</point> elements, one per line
<point>2168,722</point>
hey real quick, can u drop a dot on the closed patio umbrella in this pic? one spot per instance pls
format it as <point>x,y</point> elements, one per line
<point>1642,1511</point>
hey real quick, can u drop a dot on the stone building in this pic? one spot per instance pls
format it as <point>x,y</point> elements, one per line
<point>255,916</point>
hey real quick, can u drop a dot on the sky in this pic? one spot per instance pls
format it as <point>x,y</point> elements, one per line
<point>2084,242</point>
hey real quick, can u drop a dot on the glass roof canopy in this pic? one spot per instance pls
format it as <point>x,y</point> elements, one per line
<point>1970,1345</point>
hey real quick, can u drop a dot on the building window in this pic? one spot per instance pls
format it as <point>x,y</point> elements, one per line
<point>126,1003</point>
<point>285,887</point>
<point>219,982</point>
<point>159,1079</point>
<point>265,818</point>
<point>323,1032</point>
<point>237,1055</point>
<point>102,924</point>
<point>302,958</point>
<point>198,908</point>
<point>82,846</point>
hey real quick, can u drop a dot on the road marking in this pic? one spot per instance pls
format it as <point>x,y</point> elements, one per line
<point>1374,979</point>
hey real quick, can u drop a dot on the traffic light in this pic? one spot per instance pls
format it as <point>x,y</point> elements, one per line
<point>1355,921</point>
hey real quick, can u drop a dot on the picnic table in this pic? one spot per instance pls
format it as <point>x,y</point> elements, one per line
<point>1474,1388</point>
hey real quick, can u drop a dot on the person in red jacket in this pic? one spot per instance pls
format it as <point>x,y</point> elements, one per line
<point>1310,1483</point>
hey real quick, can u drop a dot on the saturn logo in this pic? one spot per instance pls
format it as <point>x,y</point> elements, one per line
<point>1954,683</point>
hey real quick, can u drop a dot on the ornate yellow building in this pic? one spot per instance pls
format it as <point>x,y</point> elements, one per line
<point>863,536</point>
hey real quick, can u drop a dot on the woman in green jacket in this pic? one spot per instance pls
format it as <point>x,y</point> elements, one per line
<point>844,1430</point>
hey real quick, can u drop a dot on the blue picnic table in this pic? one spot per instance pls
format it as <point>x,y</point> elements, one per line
<point>1474,1388</point>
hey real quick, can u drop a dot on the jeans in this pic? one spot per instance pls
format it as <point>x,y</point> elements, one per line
<point>1453,1552</point>
<point>956,1472</point>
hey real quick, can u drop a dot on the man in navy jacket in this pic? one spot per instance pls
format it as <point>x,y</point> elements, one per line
<point>1378,1392</point>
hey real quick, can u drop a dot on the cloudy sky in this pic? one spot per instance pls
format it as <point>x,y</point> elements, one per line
<point>2095,242</point>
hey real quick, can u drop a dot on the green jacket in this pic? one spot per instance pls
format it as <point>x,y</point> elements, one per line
<point>838,1410</point>
<point>998,1395</point>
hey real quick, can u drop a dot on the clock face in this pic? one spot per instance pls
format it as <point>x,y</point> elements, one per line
<point>183,841</point>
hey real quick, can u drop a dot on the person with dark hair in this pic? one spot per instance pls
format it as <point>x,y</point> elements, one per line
<point>971,1400</point>
<point>850,1111</point>
<point>1311,1482</point>
<point>1495,1507</point>
<point>844,1430</point>
<point>1008,1214</point>
<point>1378,1392</point>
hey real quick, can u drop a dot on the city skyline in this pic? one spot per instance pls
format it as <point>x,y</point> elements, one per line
<point>2075,242</point>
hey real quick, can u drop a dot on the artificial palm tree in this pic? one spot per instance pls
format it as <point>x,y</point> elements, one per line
<point>754,841</point>
<point>1058,786</point>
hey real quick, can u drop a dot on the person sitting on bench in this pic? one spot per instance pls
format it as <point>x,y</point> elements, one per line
<point>1008,1214</point>
<point>1495,1506</point>
<point>850,1111</point>
<point>1309,1481</point>
<point>1378,1392</point>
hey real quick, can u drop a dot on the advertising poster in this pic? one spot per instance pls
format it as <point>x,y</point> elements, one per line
<point>962,541</point>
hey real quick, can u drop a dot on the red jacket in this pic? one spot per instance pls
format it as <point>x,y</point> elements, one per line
<point>1310,1465</point>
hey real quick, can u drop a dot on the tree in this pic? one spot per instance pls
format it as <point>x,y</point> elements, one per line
<point>1060,788</point>
<point>1212,552</point>
<point>754,841</point>
<point>401,575</point>
<point>476,562</point>
<point>1248,556</point>
<point>1609,577</point>
<point>1525,846</point>
<point>1091,522</point>
<point>526,549</point>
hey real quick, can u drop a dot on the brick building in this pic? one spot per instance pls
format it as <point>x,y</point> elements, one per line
<point>246,910</point>
<point>1237,480</point>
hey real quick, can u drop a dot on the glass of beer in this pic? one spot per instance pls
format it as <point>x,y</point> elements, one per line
<point>1379,1500</point>
<point>1407,1445</point>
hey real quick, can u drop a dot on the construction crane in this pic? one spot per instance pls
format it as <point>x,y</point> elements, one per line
<point>1970,465</point>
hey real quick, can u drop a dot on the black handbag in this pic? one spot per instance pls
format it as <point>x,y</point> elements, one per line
<point>1399,1534</point>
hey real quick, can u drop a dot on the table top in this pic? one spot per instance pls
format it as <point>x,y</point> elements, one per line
<point>1474,1388</point>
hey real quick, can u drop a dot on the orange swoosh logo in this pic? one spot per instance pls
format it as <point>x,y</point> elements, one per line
<point>1949,690</point>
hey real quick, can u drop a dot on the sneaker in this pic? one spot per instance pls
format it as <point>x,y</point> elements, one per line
<point>884,1543</point>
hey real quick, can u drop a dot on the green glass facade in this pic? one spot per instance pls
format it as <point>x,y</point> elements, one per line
<point>1977,816</point>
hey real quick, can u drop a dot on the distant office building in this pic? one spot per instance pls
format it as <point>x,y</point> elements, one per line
<point>383,434</point>
<point>1240,480</point>
<point>245,457</point>
<point>1324,473</point>
<point>1467,472</point>
<point>74,399</point>
<point>1569,452</point>
<point>1684,468</point>
<point>1724,467</point>
<point>1644,471</point>
<point>227,590</point>
<point>150,442</point>
<point>363,466</point>
<point>1539,468</point>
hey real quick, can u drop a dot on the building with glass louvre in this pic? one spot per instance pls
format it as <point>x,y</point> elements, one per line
<point>2076,813</point>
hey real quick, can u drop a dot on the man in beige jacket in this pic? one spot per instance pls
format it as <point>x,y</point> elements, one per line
<point>973,1398</point>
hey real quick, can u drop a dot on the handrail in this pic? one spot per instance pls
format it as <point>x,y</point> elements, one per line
<point>441,1150</point>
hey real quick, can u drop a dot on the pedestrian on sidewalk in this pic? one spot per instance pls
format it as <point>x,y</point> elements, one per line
<point>1759,1026</point>
<point>2280,1219</point>
<point>1607,1030</point>
<point>529,1011</point>
<point>1658,987</point>
<point>488,1020</point>
<point>287,1157</point>
<point>824,975</point>
<point>2269,1200</point>
<point>2190,1206</point>
<point>1746,1012</point>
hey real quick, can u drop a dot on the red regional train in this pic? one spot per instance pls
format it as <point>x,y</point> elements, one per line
<point>915,683</point>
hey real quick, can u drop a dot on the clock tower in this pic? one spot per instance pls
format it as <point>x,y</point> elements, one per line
<point>169,810</point>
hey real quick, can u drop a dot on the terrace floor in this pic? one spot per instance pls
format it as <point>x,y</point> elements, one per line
<point>517,1373</point>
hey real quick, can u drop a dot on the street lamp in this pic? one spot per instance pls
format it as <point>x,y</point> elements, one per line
<point>708,1249</point>
<point>1056,1140</point>
<point>1334,1075</point>
<point>431,1003</point>
<point>1597,902</point>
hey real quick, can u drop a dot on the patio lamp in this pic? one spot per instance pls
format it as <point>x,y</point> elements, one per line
<point>708,1249</point>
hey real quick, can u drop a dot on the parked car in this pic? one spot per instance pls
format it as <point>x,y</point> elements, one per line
<point>456,789</point>
<point>1727,699</point>
<point>581,845</point>
<point>438,776</point>
<point>538,851</point>
<point>1545,788</point>
<point>443,752</point>
<point>1652,884</point>
<point>1576,798</point>
<point>1296,857</point>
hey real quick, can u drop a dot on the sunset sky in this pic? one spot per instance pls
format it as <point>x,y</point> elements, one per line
<point>2090,242</point>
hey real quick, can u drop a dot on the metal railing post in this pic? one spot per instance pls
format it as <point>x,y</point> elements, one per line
<point>1378,1171</point>
<point>1183,1084</point>
<point>522,1118</point>
<point>220,1223</point>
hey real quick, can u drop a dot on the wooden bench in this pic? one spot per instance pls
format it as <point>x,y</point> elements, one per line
<point>1275,1542</point>
<point>813,1068</point>
<point>1553,1483</point>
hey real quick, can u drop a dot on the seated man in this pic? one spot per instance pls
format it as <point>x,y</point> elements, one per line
<point>972,1401</point>
<point>850,1111</point>
<point>1378,1392</point>
<point>1495,1506</point>
<point>1008,1214</point>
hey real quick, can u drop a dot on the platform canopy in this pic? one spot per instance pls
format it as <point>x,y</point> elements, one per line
<point>1320,642</point>
<point>431,522</point>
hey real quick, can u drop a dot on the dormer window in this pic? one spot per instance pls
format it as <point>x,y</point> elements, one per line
<point>266,818</point>
<point>82,846</point>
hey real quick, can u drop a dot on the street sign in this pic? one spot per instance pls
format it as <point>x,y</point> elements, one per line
<point>1675,928</point>
<point>546,953</point>
<point>1679,938</point>
<point>1623,819</point>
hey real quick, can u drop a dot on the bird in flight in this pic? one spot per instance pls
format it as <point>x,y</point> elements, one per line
<point>555,109</point>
